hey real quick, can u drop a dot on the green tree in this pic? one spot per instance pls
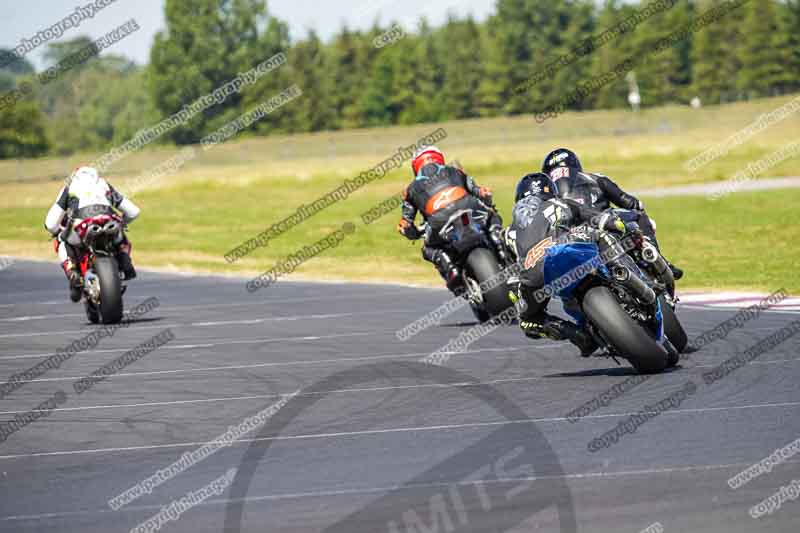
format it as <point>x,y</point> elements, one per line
<point>663,76</point>
<point>611,54</point>
<point>207,43</point>
<point>310,65</point>
<point>716,56</point>
<point>763,51</point>
<point>790,38</point>
<point>459,41</point>
<point>22,131</point>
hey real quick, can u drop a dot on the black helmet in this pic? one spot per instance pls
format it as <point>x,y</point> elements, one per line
<point>537,184</point>
<point>561,158</point>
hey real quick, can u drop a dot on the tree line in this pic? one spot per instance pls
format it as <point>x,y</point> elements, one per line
<point>523,59</point>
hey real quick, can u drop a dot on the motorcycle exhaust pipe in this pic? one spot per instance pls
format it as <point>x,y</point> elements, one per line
<point>636,285</point>
<point>651,255</point>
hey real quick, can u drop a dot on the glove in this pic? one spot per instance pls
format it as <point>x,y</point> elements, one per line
<point>633,231</point>
<point>408,230</point>
<point>485,194</point>
<point>612,223</point>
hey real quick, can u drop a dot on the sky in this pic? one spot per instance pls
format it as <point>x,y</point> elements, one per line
<point>28,18</point>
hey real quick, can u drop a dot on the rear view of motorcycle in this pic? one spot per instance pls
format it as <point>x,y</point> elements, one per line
<point>481,260</point>
<point>646,256</point>
<point>103,284</point>
<point>614,299</point>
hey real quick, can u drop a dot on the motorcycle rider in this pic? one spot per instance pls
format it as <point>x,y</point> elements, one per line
<point>86,195</point>
<point>541,220</point>
<point>439,190</point>
<point>597,191</point>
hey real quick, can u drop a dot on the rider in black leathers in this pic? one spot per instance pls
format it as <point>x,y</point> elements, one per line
<point>597,191</point>
<point>541,220</point>
<point>439,190</point>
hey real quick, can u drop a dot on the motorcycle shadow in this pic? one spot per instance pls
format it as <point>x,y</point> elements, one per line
<point>141,320</point>
<point>616,371</point>
<point>472,323</point>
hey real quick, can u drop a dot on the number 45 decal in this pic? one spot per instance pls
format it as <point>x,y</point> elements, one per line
<point>537,252</point>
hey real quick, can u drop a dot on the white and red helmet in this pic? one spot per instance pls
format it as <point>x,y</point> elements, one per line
<point>425,155</point>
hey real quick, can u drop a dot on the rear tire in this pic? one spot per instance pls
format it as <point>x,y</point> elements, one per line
<point>627,337</point>
<point>482,265</point>
<point>110,290</point>
<point>672,326</point>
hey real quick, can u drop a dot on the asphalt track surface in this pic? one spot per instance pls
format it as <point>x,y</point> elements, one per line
<point>384,449</point>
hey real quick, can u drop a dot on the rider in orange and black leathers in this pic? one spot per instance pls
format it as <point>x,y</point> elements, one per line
<point>439,190</point>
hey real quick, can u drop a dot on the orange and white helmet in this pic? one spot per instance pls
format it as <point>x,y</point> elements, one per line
<point>425,155</point>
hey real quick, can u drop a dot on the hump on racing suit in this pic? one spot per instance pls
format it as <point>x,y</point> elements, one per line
<point>437,191</point>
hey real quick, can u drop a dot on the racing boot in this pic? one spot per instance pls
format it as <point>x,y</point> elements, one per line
<point>448,271</point>
<point>496,236</point>
<point>557,329</point>
<point>75,280</point>
<point>125,262</point>
<point>677,273</point>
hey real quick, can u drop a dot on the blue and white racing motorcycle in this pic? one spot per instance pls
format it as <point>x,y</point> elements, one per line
<point>615,300</point>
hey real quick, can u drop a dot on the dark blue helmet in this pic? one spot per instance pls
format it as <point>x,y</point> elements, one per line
<point>561,158</point>
<point>537,184</point>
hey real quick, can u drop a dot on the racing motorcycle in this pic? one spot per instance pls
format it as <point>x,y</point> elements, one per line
<point>655,267</point>
<point>103,284</point>
<point>480,259</point>
<point>646,256</point>
<point>616,302</point>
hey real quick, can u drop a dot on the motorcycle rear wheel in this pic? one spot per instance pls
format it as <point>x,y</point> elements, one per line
<point>482,266</point>
<point>110,308</point>
<point>627,337</point>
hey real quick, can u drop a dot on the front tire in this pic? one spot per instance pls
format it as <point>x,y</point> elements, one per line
<point>482,266</point>
<point>110,308</point>
<point>622,332</point>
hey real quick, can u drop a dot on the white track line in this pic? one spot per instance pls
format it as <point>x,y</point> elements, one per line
<point>209,306</point>
<point>404,487</point>
<point>286,363</point>
<point>366,389</point>
<point>369,432</point>
<point>243,322</point>
<point>327,361</point>
<point>279,395</point>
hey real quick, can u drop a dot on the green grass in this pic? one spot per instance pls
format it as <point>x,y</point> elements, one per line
<point>191,219</point>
